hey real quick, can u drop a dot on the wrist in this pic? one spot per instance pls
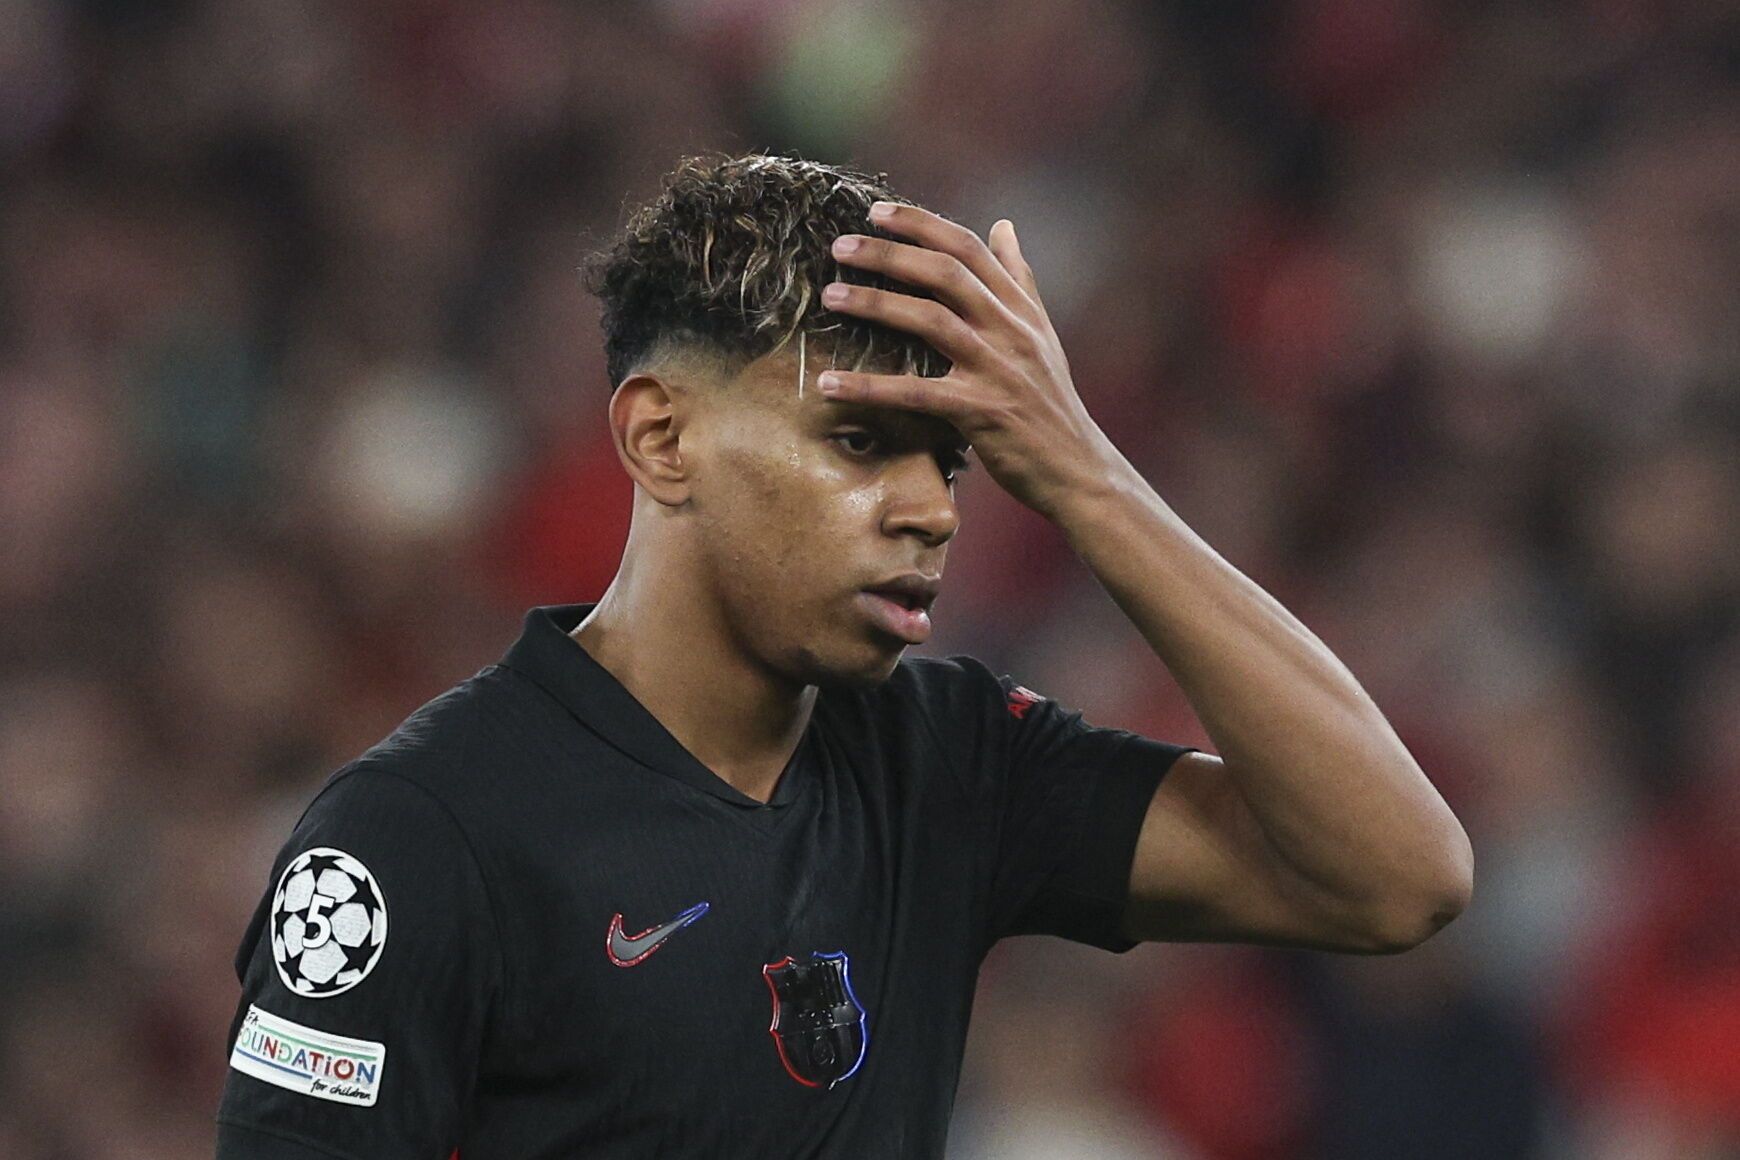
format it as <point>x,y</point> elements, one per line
<point>1097,484</point>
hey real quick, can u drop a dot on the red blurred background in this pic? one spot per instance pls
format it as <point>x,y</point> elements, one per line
<point>1425,314</point>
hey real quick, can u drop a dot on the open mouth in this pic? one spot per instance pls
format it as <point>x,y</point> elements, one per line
<point>902,607</point>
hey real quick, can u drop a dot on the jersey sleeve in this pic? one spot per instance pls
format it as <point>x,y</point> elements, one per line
<point>1069,799</point>
<point>369,974</point>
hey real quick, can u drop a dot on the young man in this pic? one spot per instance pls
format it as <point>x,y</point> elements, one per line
<point>706,868</point>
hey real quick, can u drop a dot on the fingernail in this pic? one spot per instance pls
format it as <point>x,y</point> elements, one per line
<point>881,209</point>
<point>846,245</point>
<point>834,293</point>
<point>828,382</point>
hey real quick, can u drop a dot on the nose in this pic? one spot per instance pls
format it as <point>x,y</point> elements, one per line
<point>921,502</point>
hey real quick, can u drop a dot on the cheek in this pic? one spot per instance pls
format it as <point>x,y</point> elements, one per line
<point>794,517</point>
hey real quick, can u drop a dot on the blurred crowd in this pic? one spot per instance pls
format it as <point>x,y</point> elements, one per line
<point>1426,314</point>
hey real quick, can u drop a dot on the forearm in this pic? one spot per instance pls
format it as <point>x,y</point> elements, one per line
<point>1342,803</point>
<point>1344,811</point>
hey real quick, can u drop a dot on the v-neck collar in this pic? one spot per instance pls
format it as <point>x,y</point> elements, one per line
<point>547,655</point>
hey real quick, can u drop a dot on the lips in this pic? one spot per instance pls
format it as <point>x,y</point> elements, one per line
<point>912,591</point>
<point>901,606</point>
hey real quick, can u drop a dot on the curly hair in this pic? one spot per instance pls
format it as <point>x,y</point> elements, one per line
<point>730,260</point>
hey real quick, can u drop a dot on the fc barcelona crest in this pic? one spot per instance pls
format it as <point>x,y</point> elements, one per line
<point>818,1025</point>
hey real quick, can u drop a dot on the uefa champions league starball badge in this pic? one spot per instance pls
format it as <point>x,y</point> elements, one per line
<point>329,923</point>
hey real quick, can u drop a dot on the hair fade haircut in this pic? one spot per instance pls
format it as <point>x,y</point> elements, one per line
<point>730,260</point>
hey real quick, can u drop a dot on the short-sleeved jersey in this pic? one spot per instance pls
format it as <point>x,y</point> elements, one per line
<point>530,925</point>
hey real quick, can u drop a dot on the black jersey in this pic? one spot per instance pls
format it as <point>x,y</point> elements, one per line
<point>530,925</point>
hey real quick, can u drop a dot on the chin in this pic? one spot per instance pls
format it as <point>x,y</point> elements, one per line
<point>861,680</point>
<point>862,667</point>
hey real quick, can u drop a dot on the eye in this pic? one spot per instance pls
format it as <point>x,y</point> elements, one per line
<point>857,441</point>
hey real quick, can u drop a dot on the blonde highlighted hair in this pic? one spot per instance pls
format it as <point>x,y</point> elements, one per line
<point>729,261</point>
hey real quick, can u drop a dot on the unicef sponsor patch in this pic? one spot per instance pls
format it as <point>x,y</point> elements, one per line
<point>302,1059</point>
<point>329,923</point>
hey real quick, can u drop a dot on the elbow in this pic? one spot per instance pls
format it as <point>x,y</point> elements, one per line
<point>1405,924</point>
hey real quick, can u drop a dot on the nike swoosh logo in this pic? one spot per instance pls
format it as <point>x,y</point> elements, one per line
<point>626,950</point>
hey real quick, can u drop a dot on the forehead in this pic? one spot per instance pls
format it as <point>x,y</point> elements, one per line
<point>773,382</point>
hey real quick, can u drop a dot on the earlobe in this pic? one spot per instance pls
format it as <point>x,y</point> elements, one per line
<point>646,421</point>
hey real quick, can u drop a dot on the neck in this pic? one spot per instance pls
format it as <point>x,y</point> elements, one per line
<point>674,652</point>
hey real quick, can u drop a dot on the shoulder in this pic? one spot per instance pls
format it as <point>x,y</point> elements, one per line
<point>408,808</point>
<point>942,681</point>
<point>447,744</point>
<point>432,771</point>
<point>956,691</point>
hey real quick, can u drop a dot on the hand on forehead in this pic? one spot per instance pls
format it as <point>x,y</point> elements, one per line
<point>775,379</point>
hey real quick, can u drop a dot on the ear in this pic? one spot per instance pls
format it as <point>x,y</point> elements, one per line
<point>645,421</point>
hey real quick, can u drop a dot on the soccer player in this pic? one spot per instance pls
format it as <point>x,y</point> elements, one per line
<point>707,869</point>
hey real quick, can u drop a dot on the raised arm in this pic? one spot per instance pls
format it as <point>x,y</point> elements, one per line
<point>1315,827</point>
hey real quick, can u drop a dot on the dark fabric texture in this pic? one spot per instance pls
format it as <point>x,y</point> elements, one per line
<point>589,929</point>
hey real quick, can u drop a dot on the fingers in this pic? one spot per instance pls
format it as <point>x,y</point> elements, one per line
<point>945,258</point>
<point>1007,247</point>
<point>932,321</point>
<point>943,397</point>
<point>942,274</point>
